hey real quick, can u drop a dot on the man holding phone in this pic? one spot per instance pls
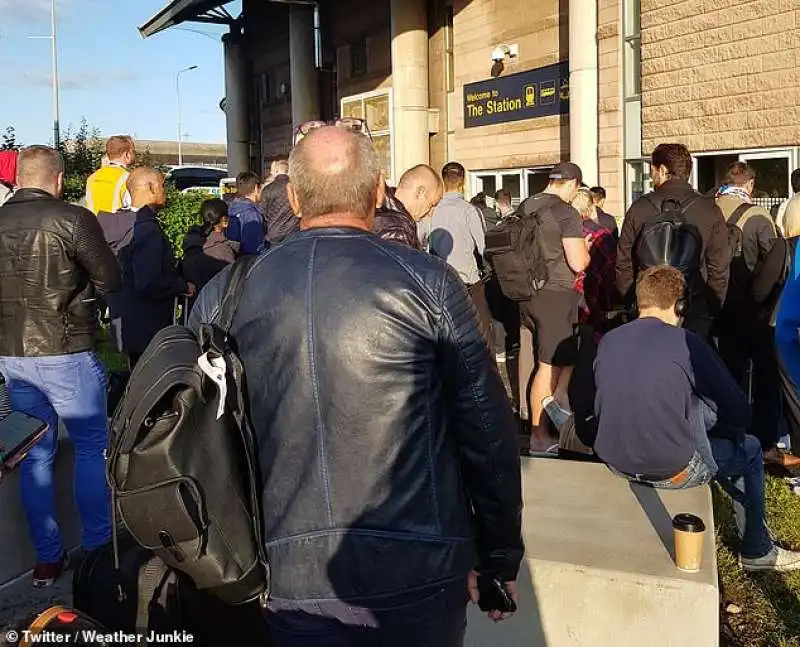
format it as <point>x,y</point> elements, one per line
<point>53,262</point>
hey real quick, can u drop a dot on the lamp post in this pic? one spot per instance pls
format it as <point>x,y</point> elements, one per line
<point>54,57</point>
<point>180,124</point>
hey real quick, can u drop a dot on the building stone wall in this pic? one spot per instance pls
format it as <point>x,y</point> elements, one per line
<point>350,21</point>
<point>540,29</point>
<point>721,74</point>
<point>610,105</point>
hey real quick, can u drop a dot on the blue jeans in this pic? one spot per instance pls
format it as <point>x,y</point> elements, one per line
<point>431,617</point>
<point>73,388</point>
<point>739,467</point>
<point>741,475</point>
<point>702,467</point>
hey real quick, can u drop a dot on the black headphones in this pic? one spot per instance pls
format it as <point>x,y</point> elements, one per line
<point>681,306</point>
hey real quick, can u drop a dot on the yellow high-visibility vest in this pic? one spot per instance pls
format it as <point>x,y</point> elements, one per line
<point>106,190</point>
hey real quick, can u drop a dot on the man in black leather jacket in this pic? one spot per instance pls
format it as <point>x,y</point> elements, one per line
<point>387,444</point>
<point>278,215</point>
<point>53,262</point>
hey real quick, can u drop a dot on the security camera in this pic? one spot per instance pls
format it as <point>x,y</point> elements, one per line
<point>499,54</point>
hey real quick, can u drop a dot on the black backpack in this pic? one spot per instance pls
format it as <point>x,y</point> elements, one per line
<point>514,251</point>
<point>668,239</point>
<point>738,299</point>
<point>182,463</point>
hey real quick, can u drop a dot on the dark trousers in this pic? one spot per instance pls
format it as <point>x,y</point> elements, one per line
<point>506,328</point>
<point>790,405</point>
<point>738,346</point>
<point>478,293</point>
<point>431,617</point>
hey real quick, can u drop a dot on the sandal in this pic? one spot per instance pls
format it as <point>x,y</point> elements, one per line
<point>550,452</point>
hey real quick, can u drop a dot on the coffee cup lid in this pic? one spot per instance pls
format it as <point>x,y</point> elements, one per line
<point>688,523</point>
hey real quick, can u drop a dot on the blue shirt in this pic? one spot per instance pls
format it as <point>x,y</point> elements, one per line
<point>649,375</point>
<point>787,326</point>
<point>246,226</point>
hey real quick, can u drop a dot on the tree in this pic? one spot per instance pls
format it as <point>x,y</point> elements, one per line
<point>83,152</point>
<point>8,142</point>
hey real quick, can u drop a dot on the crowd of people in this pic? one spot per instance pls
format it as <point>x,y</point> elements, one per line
<point>371,328</point>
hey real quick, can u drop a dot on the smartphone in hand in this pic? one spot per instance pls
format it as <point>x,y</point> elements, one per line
<point>493,595</point>
<point>18,433</point>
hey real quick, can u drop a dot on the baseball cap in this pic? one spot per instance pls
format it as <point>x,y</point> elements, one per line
<point>567,171</point>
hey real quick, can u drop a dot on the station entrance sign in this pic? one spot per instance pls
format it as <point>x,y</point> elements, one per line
<point>540,92</point>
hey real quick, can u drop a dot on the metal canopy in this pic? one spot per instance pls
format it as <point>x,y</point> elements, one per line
<point>178,11</point>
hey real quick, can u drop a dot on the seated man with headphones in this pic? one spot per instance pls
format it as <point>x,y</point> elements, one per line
<point>670,415</point>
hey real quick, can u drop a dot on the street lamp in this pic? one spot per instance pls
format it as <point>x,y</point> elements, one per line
<point>180,124</point>
<point>54,56</point>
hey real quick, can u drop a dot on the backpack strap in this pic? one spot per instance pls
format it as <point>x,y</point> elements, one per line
<point>151,577</point>
<point>233,294</point>
<point>736,216</point>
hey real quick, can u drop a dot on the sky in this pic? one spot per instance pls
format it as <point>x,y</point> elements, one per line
<point>109,74</point>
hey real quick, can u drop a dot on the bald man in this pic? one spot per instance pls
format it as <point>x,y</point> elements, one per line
<point>417,194</point>
<point>278,215</point>
<point>388,447</point>
<point>151,282</point>
<point>53,265</point>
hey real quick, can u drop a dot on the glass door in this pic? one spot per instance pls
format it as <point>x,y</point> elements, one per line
<point>485,183</point>
<point>512,183</point>
<point>773,171</point>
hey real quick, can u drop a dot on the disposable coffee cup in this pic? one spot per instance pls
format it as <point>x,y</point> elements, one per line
<point>689,532</point>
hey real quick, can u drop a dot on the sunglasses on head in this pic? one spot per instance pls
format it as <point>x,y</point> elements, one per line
<point>351,124</point>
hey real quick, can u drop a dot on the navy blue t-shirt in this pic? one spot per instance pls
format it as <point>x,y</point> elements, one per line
<point>649,375</point>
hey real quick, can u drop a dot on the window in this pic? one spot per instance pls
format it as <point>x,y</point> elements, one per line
<point>358,57</point>
<point>633,49</point>
<point>449,63</point>
<point>637,180</point>
<point>376,109</point>
<point>632,92</point>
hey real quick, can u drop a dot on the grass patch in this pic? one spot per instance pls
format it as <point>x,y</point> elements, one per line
<point>769,603</point>
<point>108,354</point>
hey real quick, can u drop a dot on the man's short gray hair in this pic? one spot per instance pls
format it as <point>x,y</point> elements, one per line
<point>335,180</point>
<point>39,166</point>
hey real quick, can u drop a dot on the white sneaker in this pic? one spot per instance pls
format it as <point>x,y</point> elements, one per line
<point>500,358</point>
<point>776,559</point>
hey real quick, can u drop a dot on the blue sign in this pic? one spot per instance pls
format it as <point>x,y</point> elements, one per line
<point>536,93</point>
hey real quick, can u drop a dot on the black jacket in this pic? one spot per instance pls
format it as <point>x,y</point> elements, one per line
<point>150,283</point>
<point>278,214</point>
<point>54,261</point>
<point>393,222</point>
<point>703,214</point>
<point>388,448</point>
<point>204,256</point>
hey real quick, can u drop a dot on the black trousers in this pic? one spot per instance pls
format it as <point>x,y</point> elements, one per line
<point>478,293</point>
<point>740,344</point>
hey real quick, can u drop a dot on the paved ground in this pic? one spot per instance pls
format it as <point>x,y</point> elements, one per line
<point>19,601</point>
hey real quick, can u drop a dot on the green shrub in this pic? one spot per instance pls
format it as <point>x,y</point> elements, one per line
<point>182,211</point>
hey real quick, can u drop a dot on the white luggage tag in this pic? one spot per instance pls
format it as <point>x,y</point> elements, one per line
<point>215,370</point>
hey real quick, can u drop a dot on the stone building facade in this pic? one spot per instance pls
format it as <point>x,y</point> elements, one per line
<point>720,76</point>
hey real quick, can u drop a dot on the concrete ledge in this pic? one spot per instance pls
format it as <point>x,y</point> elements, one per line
<point>599,566</point>
<point>17,555</point>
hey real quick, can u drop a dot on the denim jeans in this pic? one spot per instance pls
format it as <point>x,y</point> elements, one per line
<point>741,475</point>
<point>431,617</point>
<point>702,467</point>
<point>72,388</point>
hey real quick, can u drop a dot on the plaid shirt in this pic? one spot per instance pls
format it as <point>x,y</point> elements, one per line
<point>596,284</point>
